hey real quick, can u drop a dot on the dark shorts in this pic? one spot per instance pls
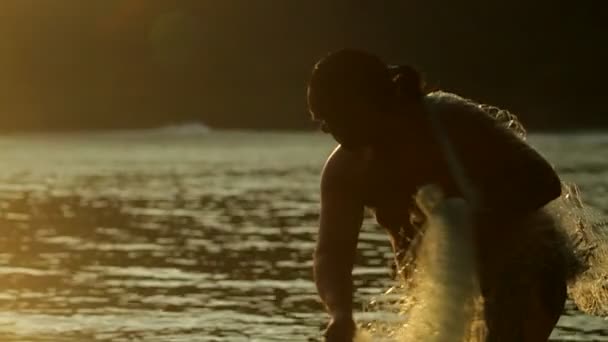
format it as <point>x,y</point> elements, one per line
<point>524,265</point>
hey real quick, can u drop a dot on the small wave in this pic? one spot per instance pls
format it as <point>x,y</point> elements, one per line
<point>191,128</point>
<point>182,130</point>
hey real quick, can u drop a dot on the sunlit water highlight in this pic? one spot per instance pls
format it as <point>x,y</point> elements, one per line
<point>194,237</point>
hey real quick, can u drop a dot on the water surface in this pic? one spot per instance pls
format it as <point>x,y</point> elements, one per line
<point>173,236</point>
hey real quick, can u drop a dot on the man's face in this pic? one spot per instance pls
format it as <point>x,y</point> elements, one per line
<point>350,127</point>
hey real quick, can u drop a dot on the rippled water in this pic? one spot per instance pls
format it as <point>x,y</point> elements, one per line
<point>159,236</point>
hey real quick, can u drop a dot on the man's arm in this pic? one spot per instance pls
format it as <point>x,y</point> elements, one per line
<point>511,175</point>
<point>340,222</point>
<point>524,180</point>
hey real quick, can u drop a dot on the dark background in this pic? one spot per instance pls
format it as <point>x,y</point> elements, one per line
<point>97,64</point>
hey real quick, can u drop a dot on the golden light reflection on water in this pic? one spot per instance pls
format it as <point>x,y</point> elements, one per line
<point>211,237</point>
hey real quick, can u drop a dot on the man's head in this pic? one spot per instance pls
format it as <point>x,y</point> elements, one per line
<point>347,92</point>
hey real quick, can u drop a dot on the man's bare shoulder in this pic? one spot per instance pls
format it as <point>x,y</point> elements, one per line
<point>345,168</point>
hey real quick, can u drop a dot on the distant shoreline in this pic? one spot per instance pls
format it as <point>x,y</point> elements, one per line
<point>202,128</point>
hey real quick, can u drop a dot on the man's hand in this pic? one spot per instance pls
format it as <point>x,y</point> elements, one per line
<point>341,329</point>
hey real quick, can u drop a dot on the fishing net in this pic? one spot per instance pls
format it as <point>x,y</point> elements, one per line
<point>588,239</point>
<point>438,264</point>
<point>587,233</point>
<point>437,299</point>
